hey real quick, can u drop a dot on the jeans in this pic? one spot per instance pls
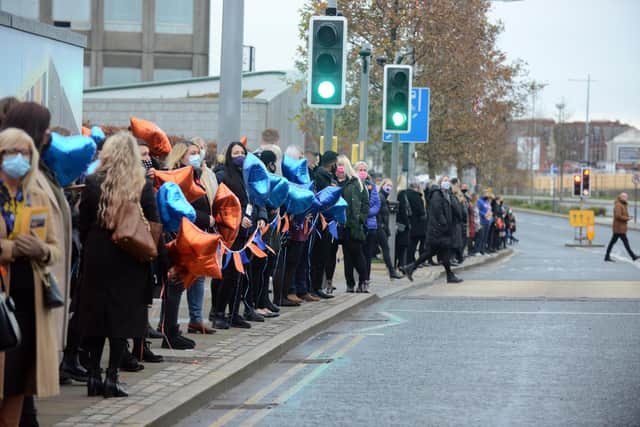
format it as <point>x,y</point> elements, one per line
<point>481,239</point>
<point>195,300</point>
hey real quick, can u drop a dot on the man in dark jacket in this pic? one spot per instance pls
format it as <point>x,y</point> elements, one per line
<point>440,230</point>
<point>418,220</point>
<point>460,219</point>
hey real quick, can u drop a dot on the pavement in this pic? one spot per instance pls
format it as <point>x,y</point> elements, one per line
<point>164,393</point>
<point>546,336</point>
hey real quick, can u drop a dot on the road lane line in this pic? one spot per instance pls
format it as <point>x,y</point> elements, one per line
<point>395,321</point>
<point>260,394</point>
<point>563,313</point>
<point>307,379</point>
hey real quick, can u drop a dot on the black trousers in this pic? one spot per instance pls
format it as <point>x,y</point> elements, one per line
<point>323,256</point>
<point>443,256</point>
<point>95,345</point>
<point>625,241</point>
<point>371,245</point>
<point>382,240</point>
<point>230,291</point>
<point>414,242</point>
<point>170,307</point>
<point>286,270</point>
<point>353,252</point>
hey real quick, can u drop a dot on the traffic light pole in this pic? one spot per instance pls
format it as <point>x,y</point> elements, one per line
<point>365,53</point>
<point>393,197</point>
<point>328,126</point>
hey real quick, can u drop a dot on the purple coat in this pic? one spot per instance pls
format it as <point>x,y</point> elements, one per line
<point>374,205</point>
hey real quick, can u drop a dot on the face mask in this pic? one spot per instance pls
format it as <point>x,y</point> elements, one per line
<point>464,191</point>
<point>194,160</point>
<point>363,175</point>
<point>445,185</point>
<point>238,161</point>
<point>386,189</point>
<point>147,164</point>
<point>340,171</point>
<point>15,165</point>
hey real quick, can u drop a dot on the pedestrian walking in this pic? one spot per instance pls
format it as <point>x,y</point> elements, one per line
<point>383,233</point>
<point>620,219</point>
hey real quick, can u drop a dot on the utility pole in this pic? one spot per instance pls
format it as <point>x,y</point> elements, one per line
<point>393,197</point>
<point>231,71</point>
<point>365,54</point>
<point>562,143</point>
<point>534,87</point>
<point>586,122</point>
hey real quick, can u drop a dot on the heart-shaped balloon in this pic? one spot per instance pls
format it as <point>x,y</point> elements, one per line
<point>227,214</point>
<point>69,156</point>
<point>184,178</point>
<point>326,198</point>
<point>93,167</point>
<point>159,144</point>
<point>299,200</point>
<point>279,191</point>
<point>98,135</point>
<point>256,179</point>
<point>173,206</point>
<point>195,253</point>
<point>338,212</point>
<point>295,171</point>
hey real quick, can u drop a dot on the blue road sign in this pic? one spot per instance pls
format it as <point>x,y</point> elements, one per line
<point>419,118</point>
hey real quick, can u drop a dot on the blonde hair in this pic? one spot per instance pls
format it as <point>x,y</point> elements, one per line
<point>124,176</point>
<point>385,181</point>
<point>402,183</point>
<point>14,138</point>
<point>177,153</point>
<point>349,172</point>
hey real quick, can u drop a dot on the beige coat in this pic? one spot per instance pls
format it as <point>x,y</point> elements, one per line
<point>620,217</point>
<point>61,222</point>
<point>45,380</point>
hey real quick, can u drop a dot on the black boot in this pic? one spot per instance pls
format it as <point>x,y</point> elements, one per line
<point>220,321</point>
<point>112,387</point>
<point>408,271</point>
<point>271,307</point>
<point>395,275</point>
<point>95,387</point>
<point>452,278</point>
<point>71,367</point>
<point>609,259</point>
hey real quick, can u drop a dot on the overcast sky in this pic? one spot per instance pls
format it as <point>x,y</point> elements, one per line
<point>559,40</point>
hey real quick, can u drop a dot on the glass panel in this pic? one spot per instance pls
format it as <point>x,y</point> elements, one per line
<point>172,19</point>
<point>121,75</point>
<point>24,8</point>
<point>171,74</point>
<point>78,12</point>
<point>123,15</point>
<point>86,77</point>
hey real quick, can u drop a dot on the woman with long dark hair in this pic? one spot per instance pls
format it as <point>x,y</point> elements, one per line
<point>234,284</point>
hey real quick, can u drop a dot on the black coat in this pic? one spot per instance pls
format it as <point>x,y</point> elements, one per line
<point>458,217</point>
<point>322,178</point>
<point>418,214</point>
<point>383,213</point>
<point>440,226</point>
<point>114,286</point>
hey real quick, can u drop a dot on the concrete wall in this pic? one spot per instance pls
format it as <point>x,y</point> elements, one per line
<point>194,117</point>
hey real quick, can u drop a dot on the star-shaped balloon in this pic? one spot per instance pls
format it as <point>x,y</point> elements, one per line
<point>159,144</point>
<point>326,198</point>
<point>173,206</point>
<point>256,179</point>
<point>227,214</point>
<point>299,200</point>
<point>184,178</point>
<point>295,171</point>
<point>279,191</point>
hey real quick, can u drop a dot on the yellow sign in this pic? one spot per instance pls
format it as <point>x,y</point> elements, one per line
<point>355,150</point>
<point>581,218</point>
<point>334,144</point>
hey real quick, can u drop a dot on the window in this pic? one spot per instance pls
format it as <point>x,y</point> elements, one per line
<point>25,8</point>
<point>160,74</point>
<point>172,19</point>
<point>121,75</point>
<point>86,77</point>
<point>123,15</point>
<point>76,12</point>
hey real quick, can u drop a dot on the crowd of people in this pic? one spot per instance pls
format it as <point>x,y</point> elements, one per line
<point>107,290</point>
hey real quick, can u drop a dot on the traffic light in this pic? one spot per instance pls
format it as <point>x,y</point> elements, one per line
<point>577,185</point>
<point>396,99</point>
<point>327,61</point>
<point>586,174</point>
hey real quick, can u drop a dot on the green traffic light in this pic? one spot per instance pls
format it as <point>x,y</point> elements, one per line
<point>398,119</point>
<point>326,90</point>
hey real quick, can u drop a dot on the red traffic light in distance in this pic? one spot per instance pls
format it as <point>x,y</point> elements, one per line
<point>577,185</point>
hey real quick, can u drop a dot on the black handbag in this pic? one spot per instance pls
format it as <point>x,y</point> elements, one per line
<point>51,294</point>
<point>10,336</point>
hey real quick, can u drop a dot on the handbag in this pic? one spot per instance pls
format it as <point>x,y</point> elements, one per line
<point>10,336</point>
<point>133,234</point>
<point>51,291</point>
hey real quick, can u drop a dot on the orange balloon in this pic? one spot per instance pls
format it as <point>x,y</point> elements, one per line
<point>195,253</point>
<point>227,214</point>
<point>158,141</point>
<point>244,140</point>
<point>86,131</point>
<point>184,178</point>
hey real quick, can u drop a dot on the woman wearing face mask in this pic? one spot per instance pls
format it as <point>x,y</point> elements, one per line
<point>184,154</point>
<point>234,285</point>
<point>383,233</point>
<point>31,368</point>
<point>371,243</point>
<point>353,233</point>
<point>440,231</point>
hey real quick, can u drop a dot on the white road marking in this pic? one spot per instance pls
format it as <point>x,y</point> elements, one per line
<point>561,313</point>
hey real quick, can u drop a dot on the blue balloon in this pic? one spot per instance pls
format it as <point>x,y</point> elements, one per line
<point>93,166</point>
<point>295,171</point>
<point>338,212</point>
<point>97,135</point>
<point>172,206</point>
<point>299,200</point>
<point>326,198</point>
<point>279,191</point>
<point>256,179</point>
<point>69,156</point>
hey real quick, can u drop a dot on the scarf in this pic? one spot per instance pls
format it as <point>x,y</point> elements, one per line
<point>10,206</point>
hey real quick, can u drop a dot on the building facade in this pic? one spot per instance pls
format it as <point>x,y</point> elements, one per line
<point>130,41</point>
